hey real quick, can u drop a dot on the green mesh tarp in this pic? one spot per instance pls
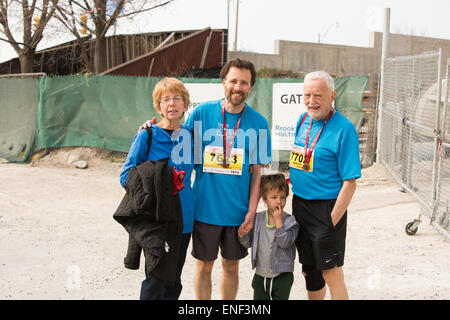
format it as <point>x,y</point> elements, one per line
<point>105,111</point>
<point>18,107</point>
<point>349,95</point>
<point>96,111</point>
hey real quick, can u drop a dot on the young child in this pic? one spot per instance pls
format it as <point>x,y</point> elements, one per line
<point>272,240</point>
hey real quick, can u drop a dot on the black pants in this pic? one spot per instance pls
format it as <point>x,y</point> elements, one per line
<point>155,289</point>
<point>319,243</point>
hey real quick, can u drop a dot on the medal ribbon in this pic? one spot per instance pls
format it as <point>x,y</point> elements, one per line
<point>309,151</point>
<point>227,146</point>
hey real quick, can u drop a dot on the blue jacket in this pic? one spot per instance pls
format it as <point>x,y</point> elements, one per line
<point>161,147</point>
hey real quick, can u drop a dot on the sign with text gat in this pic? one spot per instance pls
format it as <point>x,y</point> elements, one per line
<point>287,106</point>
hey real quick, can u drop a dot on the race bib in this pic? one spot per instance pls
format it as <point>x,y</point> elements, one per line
<point>213,161</point>
<point>297,159</point>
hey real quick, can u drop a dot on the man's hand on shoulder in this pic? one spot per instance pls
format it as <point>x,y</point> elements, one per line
<point>147,124</point>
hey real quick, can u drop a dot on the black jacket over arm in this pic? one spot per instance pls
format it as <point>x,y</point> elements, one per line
<point>153,218</point>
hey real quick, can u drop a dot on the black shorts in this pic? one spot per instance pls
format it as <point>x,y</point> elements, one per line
<point>207,238</point>
<point>319,243</point>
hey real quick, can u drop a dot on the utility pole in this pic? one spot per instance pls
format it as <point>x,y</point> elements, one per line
<point>228,15</point>
<point>236,26</point>
<point>384,54</point>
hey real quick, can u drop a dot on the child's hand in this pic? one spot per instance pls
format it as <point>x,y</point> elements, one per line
<point>277,212</point>
<point>278,216</point>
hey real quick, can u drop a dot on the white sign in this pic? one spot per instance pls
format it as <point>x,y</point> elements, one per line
<point>287,106</point>
<point>201,92</point>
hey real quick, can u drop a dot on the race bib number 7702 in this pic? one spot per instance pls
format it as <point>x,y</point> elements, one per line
<point>297,159</point>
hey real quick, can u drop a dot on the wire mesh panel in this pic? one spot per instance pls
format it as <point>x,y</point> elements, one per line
<point>407,137</point>
<point>441,218</point>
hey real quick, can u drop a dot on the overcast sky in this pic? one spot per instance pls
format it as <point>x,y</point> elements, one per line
<point>346,22</point>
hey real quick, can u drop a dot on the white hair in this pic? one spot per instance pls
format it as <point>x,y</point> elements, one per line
<point>321,75</point>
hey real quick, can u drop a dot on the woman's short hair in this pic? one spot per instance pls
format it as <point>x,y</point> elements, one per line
<point>172,85</point>
<point>275,181</point>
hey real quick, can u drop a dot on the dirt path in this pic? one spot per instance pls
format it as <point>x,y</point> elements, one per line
<point>59,240</point>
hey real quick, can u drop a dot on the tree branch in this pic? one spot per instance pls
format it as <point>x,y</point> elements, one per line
<point>145,10</point>
<point>12,42</point>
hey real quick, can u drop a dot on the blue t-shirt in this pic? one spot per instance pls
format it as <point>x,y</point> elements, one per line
<point>336,158</point>
<point>161,147</point>
<point>222,199</point>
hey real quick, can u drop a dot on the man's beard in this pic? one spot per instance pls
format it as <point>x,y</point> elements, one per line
<point>238,101</point>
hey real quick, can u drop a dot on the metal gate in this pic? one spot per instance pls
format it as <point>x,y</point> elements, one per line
<point>414,138</point>
<point>441,214</point>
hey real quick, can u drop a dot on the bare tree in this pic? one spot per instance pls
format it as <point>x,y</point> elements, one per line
<point>14,12</point>
<point>93,18</point>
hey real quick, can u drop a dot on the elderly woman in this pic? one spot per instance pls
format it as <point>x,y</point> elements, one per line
<point>171,100</point>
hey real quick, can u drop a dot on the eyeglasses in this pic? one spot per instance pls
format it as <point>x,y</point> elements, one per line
<point>166,100</point>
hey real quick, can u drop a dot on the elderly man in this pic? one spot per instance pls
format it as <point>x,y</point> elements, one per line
<point>324,166</point>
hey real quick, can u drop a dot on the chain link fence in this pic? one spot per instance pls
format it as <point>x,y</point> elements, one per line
<point>411,146</point>
<point>441,216</point>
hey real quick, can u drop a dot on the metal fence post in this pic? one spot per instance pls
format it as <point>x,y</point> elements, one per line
<point>437,129</point>
<point>384,53</point>
<point>444,128</point>
<point>410,155</point>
